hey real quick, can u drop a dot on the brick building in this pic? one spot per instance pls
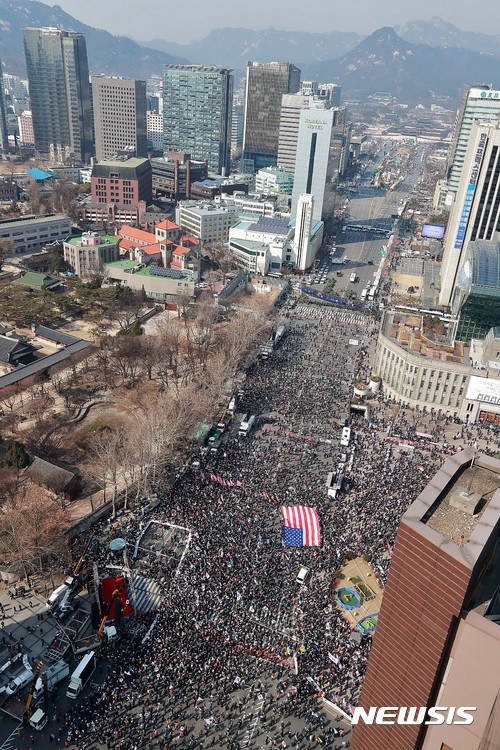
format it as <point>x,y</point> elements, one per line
<point>445,572</point>
<point>124,182</point>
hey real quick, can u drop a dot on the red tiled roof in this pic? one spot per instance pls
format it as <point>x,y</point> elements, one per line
<point>175,264</point>
<point>191,240</point>
<point>151,249</point>
<point>131,233</point>
<point>167,225</point>
<point>125,244</point>
<point>179,250</point>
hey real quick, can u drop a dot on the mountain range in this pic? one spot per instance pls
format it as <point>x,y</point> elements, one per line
<point>412,72</point>
<point>107,53</point>
<point>416,62</point>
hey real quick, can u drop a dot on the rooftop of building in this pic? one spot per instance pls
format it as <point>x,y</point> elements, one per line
<point>271,226</point>
<point>459,509</point>
<point>133,233</point>
<point>41,174</point>
<point>130,265</point>
<point>167,225</point>
<point>194,68</point>
<point>204,209</point>
<point>105,239</point>
<point>126,168</point>
<point>22,221</point>
<point>425,336</point>
<point>482,267</point>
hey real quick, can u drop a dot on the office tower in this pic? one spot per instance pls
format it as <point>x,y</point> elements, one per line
<point>119,106</point>
<point>265,85</point>
<point>291,107</point>
<point>313,157</point>
<point>238,126</point>
<point>4,136</point>
<point>476,297</point>
<point>197,106</point>
<point>308,88</point>
<point>154,128</point>
<point>59,85</point>
<point>479,104</point>
<point>331,92</point>
<point>475,213</point>
<point>441,597</point>
<point>25,125</point>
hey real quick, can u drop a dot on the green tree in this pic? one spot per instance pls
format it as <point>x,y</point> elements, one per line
<point>16,455</point>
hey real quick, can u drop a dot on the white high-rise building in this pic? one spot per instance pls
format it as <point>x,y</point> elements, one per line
<point>475,214</point>
<point>312,162</point>
<point>291,107</point>
<point>154,129</point>
<point>479,105</point>
<point>303,250</point>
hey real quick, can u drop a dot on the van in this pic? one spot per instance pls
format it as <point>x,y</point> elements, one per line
<point>56,596</point>
<point>302,575</point>
<point>21,681</point>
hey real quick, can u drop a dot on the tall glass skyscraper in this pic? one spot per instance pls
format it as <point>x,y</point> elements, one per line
<point>197,113</point>
<point>4,142</point>
<point>58,75</point>
<point>265,86</point>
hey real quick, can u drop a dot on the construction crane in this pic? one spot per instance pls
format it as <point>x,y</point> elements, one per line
<point>101,632</point>
<point>73,578</point>
<point>30,696</point>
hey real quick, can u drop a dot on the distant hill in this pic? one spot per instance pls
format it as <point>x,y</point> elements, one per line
<point>439,33</point>
<point>412,72</point>
<point>234,47</point>
<point>114,55</point>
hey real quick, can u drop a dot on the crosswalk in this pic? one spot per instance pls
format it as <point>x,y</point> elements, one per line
<point>8,744</point>
<point>317,312</point>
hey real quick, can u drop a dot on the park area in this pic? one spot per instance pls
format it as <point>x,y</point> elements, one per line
<point>358,594</point>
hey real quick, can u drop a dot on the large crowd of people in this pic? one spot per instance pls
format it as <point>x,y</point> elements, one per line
<point>239,655</point>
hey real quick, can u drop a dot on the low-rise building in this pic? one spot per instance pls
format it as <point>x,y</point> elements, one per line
<point>86,254</point>
<point>206,221</point>
<point>420,372</point>
<point>30,233</point>
<point>165,284</point>
<point>39,281</point>
<point>261,244</point>
<point>9,191</point>
<point>273,180</point>
<point>174,174</point>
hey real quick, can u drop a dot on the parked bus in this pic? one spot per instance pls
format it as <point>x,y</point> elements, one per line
<point>363,294</point>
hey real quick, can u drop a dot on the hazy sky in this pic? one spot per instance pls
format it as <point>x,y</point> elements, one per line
<point>185,20</point>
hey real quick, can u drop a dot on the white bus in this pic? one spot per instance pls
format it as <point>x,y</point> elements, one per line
<point>346,436</point>
<point>353,278</point>
<point>363,294</point>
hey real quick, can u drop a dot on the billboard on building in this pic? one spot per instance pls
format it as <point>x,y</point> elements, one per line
<point>486,390</point>
<point>436,231</point>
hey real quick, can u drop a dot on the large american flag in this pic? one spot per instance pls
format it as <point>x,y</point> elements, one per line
<point>300,526</point>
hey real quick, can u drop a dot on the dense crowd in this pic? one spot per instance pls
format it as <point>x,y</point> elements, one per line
<point>239,653</point>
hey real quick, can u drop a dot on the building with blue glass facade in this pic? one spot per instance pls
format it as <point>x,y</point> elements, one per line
<point>197,113</point>
<point>476,300</point>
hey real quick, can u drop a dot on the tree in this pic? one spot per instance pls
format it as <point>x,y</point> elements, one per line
<point>31,526</point>
<point>7,248</point>
<point>16,455</point>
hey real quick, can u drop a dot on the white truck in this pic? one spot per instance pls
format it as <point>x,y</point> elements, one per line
<point>60,593</point>
<point>246,424</point>
<point>51,677</point>
<point>38,720</point>
<point>81,675</point>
